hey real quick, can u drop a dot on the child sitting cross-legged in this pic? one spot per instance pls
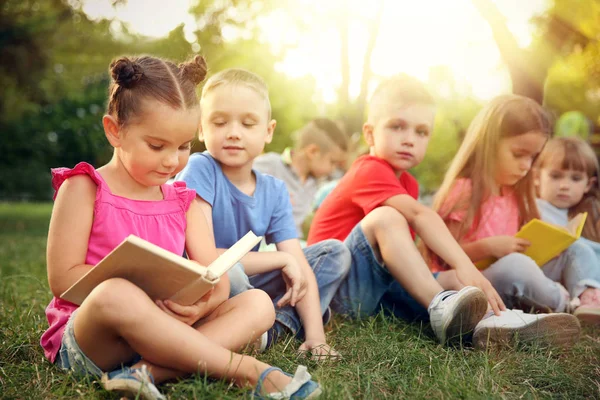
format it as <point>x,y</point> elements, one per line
<point>120,334</point>
<point>236,125</point>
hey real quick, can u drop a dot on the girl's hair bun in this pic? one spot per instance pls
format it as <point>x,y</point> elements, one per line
<point>126,73</point>
<point>194,70</point>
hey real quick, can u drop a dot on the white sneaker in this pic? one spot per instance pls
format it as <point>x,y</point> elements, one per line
<point>453,314</point>
<point>515,326</point>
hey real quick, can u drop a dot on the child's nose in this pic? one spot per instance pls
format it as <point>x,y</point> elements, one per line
<point>171,160</point>
<point>234,132</point>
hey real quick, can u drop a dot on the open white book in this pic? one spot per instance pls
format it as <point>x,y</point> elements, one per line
<point>158,272</point>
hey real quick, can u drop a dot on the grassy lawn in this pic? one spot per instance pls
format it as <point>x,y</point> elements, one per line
<point>384,358</point>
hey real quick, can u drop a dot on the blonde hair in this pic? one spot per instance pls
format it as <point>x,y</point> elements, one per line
<point>399,89</point>
<point>323,132</point>
<point>571,153</point>
<point>504,116</point>
<point>238,76</point>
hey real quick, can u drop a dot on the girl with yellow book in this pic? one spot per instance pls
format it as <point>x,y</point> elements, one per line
<point>488,194</point>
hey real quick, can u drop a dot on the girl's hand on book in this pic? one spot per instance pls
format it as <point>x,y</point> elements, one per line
<point>187,314</point>
<point>295,283</point>
<point>500,246</point>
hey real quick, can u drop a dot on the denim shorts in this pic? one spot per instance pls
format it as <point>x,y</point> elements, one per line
<point>71,357</point>
<point>370,288</point>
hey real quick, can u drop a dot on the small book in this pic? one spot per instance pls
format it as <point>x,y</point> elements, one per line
<point>158,272</point>
<point>547,240</point>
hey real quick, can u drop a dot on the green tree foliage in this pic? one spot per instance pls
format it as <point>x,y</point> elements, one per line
<point>53,72</point>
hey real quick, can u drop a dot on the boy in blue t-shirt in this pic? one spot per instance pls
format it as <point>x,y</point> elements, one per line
<point>235,126</point>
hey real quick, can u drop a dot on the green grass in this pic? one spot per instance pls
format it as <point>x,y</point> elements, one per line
<point>383,358</point>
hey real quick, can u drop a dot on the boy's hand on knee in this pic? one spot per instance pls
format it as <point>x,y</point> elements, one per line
<point>188,314</point>
<point>295,283</point>
<point>319,350</point>
<point>472,277</point>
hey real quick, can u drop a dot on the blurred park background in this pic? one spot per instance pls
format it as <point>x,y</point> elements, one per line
<point>319,58</point>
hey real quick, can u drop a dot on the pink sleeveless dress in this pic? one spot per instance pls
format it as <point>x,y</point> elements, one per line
<point>161,222</point>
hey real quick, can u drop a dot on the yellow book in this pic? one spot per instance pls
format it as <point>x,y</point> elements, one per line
<point>547,240</point>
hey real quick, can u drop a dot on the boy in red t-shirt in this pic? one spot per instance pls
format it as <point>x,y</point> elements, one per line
<point>374,209</point>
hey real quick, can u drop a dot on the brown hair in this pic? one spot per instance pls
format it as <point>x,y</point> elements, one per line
<point>399,89</point>
<point>569,153</point>
<point>141,78</point>
<point>323,132</point>
<point>572,153</point>
<point>504,116</point>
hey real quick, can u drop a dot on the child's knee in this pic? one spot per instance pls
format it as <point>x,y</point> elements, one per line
<point>383,218</point>
<point>340,257</point>
<point>261,305</point>
<point>115,297</point>
<point>580,250</point>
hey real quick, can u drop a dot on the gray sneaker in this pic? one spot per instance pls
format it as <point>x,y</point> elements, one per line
<point>454,314</point>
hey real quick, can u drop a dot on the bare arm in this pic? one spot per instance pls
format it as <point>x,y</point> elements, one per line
<point>200,247</point>
<point>254,262</point>
<point>431,229</point>
<point>69,233</point>
<point>491,247</point>
<point>477,250</point>
<point>435,234</point>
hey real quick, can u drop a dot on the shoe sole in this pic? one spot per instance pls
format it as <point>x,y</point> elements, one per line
<point>588,316</point>
<point>127,387</point>
<point>315,393</point>
<point>560,330</point>
<point>470,308</point>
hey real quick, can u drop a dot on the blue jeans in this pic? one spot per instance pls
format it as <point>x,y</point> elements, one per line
<point>370,288</point>
<point>329,260</point>
<point>520,281</point>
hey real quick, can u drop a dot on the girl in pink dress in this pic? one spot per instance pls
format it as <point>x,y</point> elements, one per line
<point>119,333</point>
<point>486,196</point>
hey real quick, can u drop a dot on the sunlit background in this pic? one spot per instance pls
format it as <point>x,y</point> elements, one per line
<point>413,36</point>
<point>319,58</point>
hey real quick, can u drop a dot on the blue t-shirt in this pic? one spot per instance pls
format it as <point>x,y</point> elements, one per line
<point>267,213</point>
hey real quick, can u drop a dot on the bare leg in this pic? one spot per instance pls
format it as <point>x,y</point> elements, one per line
<point>388,233</point>
<point>251,313</point>
<point>118,319</point>
<point>449,281</point>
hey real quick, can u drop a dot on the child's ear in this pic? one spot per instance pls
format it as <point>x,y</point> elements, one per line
<point>111,130</point>
<point>312,150</point>
<point>270,129</point>
<point>200,133</point>
<point>368,134</point>
<point>536,177</point>
<point>591,183</point>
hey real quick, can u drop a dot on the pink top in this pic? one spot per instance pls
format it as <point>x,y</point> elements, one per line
<point>161,222</point>
<point>499,214</point>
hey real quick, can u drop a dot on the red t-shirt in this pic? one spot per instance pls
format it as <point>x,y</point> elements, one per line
<point>367,184</point>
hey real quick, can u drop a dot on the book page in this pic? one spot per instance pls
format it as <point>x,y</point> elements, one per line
<point>576,224</point>
<point>232,255</point>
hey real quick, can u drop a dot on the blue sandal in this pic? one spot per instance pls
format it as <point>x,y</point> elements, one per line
<point>301,386</point>
<point>133,382</point>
